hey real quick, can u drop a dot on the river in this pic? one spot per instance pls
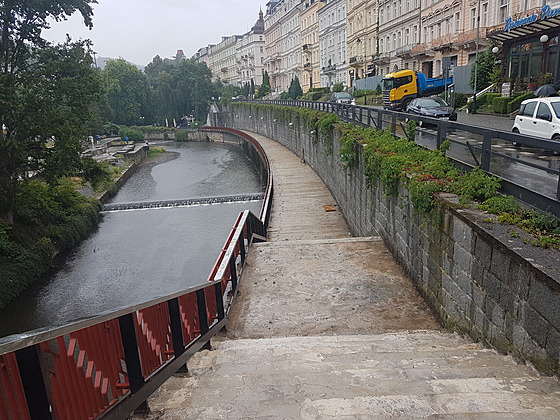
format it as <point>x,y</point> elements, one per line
<point>138,255</point>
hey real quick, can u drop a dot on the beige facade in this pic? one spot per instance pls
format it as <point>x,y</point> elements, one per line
<point>222,60</point>
<point>362,33</point>
<point>273,45</point>
<point>332,43</point>
<point>311,75</point>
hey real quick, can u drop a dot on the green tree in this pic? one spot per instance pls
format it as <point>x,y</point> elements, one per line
<point>127,91</point>
<point>264,88</point>
<point>295,90</point>
<point>28,91</point>
<point>485,69</point>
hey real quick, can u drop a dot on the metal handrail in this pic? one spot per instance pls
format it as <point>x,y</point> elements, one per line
<point>105,366</point>
<point>378,118</point>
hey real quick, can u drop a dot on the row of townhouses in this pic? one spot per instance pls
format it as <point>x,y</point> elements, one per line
<point>337,41</point>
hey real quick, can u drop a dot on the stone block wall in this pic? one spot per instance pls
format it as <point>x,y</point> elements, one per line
<point>478,278</point>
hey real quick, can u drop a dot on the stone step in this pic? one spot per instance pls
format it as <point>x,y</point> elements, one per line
<point>425,374</point>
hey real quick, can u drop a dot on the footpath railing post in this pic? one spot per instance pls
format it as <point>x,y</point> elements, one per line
<point>202,315</point>
<point>233,273</point>
<point>486,150</point>
<point>441,134</point>
<point>33,383</point>
<point>132,358</point>
<point>219,300</point>
<point>176,330</point>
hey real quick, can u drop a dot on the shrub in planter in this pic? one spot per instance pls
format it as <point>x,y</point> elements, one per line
<point>500,105</point>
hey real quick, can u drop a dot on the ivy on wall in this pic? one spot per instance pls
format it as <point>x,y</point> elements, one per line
<point>390,161</point>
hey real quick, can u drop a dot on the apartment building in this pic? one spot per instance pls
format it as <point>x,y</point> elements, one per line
<point>362,34</point>
<point>250,55</point>
<point>203,55</point>
<point>399,35</point>
<point>332,43</point>
<point>222,60</point>
<point>291,53</point>
<point>273,45</point>
<point>311,75</point>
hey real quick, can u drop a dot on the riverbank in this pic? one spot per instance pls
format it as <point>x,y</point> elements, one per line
<point>51,223</point>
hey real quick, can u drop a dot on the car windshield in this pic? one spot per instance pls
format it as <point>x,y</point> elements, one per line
<point>342,95</point>
<point>556,108</point>
<point>433,103</point>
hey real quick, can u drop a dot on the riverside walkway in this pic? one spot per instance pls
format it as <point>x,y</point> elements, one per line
<point>327,326</point>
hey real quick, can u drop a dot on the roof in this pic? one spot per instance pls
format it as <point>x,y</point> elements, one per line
<point>541,20</point>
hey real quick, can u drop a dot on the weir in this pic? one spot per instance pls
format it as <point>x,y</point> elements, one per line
<point>238,198</point>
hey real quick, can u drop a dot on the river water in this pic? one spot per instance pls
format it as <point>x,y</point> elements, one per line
<point>138,255</point>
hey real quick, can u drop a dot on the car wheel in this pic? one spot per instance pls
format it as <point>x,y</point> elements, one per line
<point>556,137</point>
<point>515,143</point>
<point>405,104</point>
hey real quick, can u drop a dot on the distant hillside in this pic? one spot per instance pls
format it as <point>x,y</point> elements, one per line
<point>101,61</point>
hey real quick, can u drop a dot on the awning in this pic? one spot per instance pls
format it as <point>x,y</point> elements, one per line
<point>534,28</point>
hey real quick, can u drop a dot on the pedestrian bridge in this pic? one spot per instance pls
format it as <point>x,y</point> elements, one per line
<point>323,324</point>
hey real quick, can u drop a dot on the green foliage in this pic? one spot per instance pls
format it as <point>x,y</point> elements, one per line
<point>228,92</point>
<point>133,134</point>
<point>378,90</point>
<point>500,204</point>
<point>475,186</point>
<point>295,90</point>
<point>47,219</point>
<point>500,104</point>
<point>514,104</point>
<point>485,69</point>
<point>338,87</point>
<point>460,100</point>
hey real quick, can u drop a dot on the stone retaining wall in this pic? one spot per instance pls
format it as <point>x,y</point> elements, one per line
<point>478,278</point>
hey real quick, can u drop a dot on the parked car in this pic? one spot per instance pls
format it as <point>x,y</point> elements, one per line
<point>342,98</point>
<point>432,106</point>
<point>539,117</point>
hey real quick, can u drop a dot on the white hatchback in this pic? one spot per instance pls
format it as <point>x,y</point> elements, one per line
<point>539,117</point>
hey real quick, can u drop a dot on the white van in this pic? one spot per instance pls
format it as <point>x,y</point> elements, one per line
<point>539,117</point>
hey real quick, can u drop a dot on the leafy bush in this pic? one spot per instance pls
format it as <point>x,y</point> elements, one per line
<point>338,87</point>
<point>500,105</point>
<point>515,103</point>
<point>460,100</point>
<point>133,134</point>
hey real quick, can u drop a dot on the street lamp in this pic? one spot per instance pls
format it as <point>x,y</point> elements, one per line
<point>358,41</point>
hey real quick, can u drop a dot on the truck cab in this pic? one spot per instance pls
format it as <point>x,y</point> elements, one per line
<point>399,88</point>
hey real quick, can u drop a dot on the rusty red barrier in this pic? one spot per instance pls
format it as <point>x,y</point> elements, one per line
<point>13,404</point>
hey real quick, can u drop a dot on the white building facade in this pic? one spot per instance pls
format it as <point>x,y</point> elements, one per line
<point>332,43</point>
<point>250,55</point>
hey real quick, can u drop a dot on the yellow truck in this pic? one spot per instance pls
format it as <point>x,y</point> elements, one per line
<point>401,87</point>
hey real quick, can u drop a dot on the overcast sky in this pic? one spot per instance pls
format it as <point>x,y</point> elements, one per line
<point>138,30</point>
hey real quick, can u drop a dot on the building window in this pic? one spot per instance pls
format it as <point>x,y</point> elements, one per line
<point>473,18</point>
<point>407,36</point>
<point>457,22</point>
<point>504,10</point>
<point>484,15</point>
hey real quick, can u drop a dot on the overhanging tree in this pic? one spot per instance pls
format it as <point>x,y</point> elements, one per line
<point>24,97</point>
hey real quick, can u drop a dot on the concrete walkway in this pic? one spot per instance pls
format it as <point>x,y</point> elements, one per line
<point>328,327</point>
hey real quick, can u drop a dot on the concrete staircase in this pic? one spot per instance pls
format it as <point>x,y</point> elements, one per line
<point>422,374</point>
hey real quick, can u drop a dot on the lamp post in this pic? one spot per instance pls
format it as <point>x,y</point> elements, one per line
<point>359,41</point>
<point>476,54</point>
<point>544,40</point>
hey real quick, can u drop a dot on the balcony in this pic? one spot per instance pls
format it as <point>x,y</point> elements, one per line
<point>383,58</point>
<point>404,52</point>
<point>307,67</point>
<point>356,61</point>
<point>328,69</point>
<point>224,69</point>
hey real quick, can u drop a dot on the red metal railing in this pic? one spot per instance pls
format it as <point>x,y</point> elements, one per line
<point>107,366</point>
